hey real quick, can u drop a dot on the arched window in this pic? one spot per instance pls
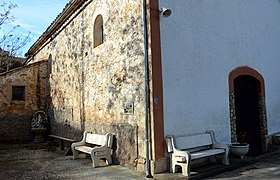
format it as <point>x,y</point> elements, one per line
<point>98,31</point>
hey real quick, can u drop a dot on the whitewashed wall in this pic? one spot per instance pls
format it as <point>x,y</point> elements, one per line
<point>202,42</point>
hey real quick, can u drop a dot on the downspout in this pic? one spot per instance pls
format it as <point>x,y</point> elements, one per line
<point>148,167</point>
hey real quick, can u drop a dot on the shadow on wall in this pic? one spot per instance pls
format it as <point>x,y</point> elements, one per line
<point>63,123</point>
<point>22,94</point>
<point>61,120</point>
<point>16,129</point>
<point>125,140</point>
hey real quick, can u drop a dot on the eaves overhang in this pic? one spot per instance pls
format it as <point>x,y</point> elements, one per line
<point>66,13</point>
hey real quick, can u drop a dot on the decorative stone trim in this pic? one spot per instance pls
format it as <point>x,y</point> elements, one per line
<point>262,116</point>
<point>232,116</point>
<point>246,71</point>
<point>261,103</point>
<point>263,122</point>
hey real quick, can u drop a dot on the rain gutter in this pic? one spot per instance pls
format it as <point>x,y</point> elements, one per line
<point>147,125</point>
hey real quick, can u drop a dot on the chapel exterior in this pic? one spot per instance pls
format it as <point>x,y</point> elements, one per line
<point>125,67</point>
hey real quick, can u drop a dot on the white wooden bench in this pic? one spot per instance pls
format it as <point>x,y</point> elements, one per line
<point>184,149</point>
<point>98,146</point>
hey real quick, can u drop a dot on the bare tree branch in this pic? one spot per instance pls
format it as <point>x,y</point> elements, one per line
<point>11,42</point>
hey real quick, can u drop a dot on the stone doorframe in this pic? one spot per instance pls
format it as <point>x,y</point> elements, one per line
<point>262,107</point>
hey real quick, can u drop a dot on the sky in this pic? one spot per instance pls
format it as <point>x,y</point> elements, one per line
<point>34,16</point>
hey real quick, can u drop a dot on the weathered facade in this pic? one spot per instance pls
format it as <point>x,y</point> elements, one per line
<point>198,61</point>
<point>23,92</point>
<point>90,86</point>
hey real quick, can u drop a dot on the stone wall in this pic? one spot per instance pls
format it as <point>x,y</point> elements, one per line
<point>89,86</point>
<point>262,120</point>
<point>15,116</point>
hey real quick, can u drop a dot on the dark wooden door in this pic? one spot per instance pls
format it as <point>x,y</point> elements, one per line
<point>246,91</point>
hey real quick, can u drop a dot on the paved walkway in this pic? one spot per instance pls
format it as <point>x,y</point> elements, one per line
<point>39,162</point>
<point>267,167</point>
<point>29,161</point>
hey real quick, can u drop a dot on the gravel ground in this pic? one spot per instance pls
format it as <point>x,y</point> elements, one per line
<point>31,161</point>
<point>34,161</point>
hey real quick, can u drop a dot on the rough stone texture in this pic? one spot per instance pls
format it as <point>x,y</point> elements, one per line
<point>125,136</point>
<point>262,116</point>
<point>15,128</point>
<point>89,86</point>
<point>263,122</point>
<point>232,117</point>
<point>33,77</point>
<point>15,116</point>
<point>124,144</point>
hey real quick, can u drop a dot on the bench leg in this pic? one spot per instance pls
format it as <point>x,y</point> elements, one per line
<point>69,152</point>
<point>172,165</point>
<point>186,169</point>
<point>61,144</point>
<point>75,153</point>
<point>225,159</point>
<point>95,161</point>
<point>109,160</point>
<point>173,168</point>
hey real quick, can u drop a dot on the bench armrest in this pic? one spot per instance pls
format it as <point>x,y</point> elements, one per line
<point>78,144</point>
<point>100,150</point>
<point>186,154</point>
<point>221,146</point>
<point>216,144</point>
<point>173,150</point>
<point>73,145</point>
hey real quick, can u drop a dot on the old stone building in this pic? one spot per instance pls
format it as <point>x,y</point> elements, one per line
<point>143,70</point>
<point>96,82</point>
<point>23,92</point>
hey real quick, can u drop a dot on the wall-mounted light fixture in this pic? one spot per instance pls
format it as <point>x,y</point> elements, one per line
<point>165,12</point>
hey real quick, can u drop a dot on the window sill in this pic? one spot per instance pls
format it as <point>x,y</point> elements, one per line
<point>17,102</point>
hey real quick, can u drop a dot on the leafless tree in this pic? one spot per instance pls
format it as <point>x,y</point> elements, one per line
<point>11,42</point>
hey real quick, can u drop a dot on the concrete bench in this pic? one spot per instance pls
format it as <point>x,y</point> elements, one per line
<point>185,149</point>
<point>61,142</point>
<point>98,146</point>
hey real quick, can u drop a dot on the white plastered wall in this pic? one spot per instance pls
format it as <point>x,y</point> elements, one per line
<point>202,42</point>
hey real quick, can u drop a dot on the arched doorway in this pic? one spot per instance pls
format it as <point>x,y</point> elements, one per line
<point>246,92</point>
<point>247,107</point>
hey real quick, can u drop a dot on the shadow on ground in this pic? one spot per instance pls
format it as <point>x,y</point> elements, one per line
<point>41,161</point>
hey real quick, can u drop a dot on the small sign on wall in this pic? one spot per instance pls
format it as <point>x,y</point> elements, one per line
<point>128,108</point>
